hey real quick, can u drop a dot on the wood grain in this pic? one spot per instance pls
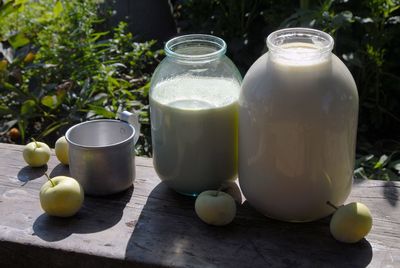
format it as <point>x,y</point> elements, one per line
<point>151,226</point>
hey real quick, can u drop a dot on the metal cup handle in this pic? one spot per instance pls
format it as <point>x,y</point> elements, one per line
<point>133,119</point>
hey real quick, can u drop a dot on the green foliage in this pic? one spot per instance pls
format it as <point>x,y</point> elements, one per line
<point>243,24</point>
<point>59,70</point>
<point>382,168</point>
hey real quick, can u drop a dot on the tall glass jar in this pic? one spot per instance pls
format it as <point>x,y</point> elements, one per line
<point>194,114</point>
<point>298,113</point>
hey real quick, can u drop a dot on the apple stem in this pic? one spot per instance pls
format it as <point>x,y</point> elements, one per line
<point>37,145</point>
<point>47,176</point>
<point>332,205</point>
<point>218,190</point>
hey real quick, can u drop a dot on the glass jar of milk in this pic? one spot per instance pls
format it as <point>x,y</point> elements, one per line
<point>194,114</point>
<point>297,127</point>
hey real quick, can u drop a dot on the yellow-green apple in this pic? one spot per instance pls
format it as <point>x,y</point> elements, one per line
<point>215,207</point>
<point>61,196</point>
<point>61,149</point>
<point>36,154</point>
<point>351,222</point>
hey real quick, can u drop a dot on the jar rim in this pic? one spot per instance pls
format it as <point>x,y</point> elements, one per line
<point>217,47</point>
<point>322,41</point>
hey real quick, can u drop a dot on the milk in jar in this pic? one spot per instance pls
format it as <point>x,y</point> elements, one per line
<point>195,132</point>
<point>194,115</point>
<point>297,127</point>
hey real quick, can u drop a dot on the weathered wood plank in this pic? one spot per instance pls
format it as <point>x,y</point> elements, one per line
<point>149,225</point>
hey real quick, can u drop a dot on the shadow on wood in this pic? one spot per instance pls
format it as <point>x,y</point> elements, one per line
<point>168,232</point>
<point>359,181</point>
<point>97,214</point>
<point>28,173</point>
<point>60,170</point>
<point>391,193</point>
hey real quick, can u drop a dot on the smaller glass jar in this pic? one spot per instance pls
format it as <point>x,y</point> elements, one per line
<point>194,114</point>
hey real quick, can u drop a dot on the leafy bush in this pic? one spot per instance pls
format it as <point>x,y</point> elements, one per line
<point>243,24</point>
<point>57,70</point>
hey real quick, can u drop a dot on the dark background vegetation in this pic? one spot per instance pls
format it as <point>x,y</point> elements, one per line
<point>63,62</point>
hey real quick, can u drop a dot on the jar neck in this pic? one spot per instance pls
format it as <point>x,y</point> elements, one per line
<point>300,45</point>
<point>195,48</point>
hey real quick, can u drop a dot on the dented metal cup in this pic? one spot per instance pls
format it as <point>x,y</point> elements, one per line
<point>102,153</point>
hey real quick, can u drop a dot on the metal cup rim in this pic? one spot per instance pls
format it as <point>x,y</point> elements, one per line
<point>67,134</point>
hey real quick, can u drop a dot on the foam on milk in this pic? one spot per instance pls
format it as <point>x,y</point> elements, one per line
<point>211,90</point>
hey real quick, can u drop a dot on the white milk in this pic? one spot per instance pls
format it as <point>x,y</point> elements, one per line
<point>297,134</point>
<point>194,132</point>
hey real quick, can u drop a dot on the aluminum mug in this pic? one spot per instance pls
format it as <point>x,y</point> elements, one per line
<point>102,153</point>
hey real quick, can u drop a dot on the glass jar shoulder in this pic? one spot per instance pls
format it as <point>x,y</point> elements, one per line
<point>342,74</point>
<point>223,68</point>
<point>267,76</point>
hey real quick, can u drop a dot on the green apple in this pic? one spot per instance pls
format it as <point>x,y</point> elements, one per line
<point>61,149</point>
<point>36,154</point>
<point>61,196</point>
<point>350,223</point>
<point>215,207</point>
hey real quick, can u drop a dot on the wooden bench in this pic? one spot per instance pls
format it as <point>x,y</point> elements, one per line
<point>151,226</point>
